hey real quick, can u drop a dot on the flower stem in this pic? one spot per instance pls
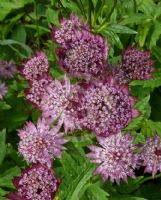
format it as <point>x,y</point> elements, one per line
<point>149,178</point>
<point>37,25</point>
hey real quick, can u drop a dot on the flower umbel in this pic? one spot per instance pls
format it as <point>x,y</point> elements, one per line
<point>3,90</point>
<point>85,56</point>
<point>38,143</point>
<point>35,67</point>
<point>60,102</point>
<point>35,183</point>
<point>106,107</point>
<point>115,156</point>
<point>136,64</point>
<point>37,90</point>
<point>68,30</point>
<point>7,69</point>
<point>151,155</point>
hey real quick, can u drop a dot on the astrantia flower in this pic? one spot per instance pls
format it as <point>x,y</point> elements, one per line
<point>60,102</point>
<point>106,107</point>
<point>116,72</point>
<point>136,64</point>
<point>37,90</point>
<point>7,69</point>
<point>35,67</point>
<point>68,30</point>
<point>35,183</point>
<point>151,155</point>
<point>116,157</point>
<point>38,143</point>
<point>3,90</point>
<point>84,56</point>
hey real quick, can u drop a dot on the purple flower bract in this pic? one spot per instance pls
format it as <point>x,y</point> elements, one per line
<point>106,107</point>
<point>35,183</point>
<point>115,157</point>
<point>39,143</point>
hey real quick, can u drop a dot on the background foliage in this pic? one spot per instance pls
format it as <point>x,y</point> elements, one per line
<point>25,28</point>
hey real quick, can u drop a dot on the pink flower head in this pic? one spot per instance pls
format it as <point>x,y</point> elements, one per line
<point>37,89</point>
<point>3,90</point>
<point>7,69</point>
<point>68,29</point>
<point>116,72</point>
<point>86,55</point>
<point>106,107</point>
<point>115,157</point>
<point>151,155</point>
<point>136,64</point>
<point>35,183</point>
<point>38,143</point>
<point>60,102</point>
<point>35,67</point>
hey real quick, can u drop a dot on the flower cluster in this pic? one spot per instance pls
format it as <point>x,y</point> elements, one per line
<point>100,102</point>
<point>135,65</point>
<point>151,155</point>
<point>106,107</point>
<point>80,52</point>
<point>35,183</point>
<point>37,90</point>
<point>60,101</point>
<point>36,72</point>
<point>35,67</point>
<point>39,143</point>
<point>85,56</point>
<point>3,89</point>
<point>68,30</point>
<point>116,157</point>
<point>7,69</point>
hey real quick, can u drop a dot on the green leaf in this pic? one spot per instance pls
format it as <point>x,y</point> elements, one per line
<point>143,31</point>
<point>142,105</point>
<point>131,186</point>
<point>96,192</point>
<point>13,42</point>
<point>122,197</point>
<point>150,128</point>
<point>147,6</point>
<point>19,34</point>
<point>69,166</point>
<point>156,51</point>
<point>2,192</point>
<point>7,6</point>
<point>136,18</point>
<point>7,176</point>
<point>114,39</point>
<point>156,82</point>
<point>139,138</point>
<point>155,34</point>
<point>4,106</point>
<point>117,28</point>
<point>52,16</point>
<point>76,186</point>
<point>2,145</point>
<point>135,124</point>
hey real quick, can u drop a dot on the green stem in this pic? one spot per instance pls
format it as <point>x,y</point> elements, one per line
<point>112,9</point>
<point>37,25</point>
<point>135,6</point>
<point>97,13</point>
<point>149,178</point>
<point>109,15</point>
<point>90,11</point>
<point>83,10</point>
